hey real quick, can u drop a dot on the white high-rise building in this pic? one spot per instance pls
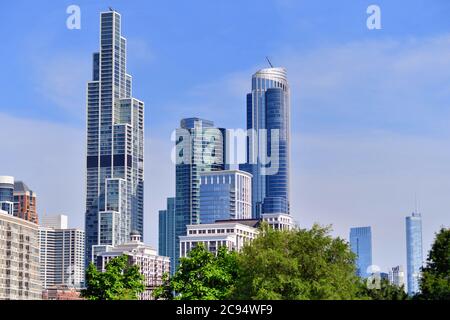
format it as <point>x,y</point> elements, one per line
<point>57,221</point>
<point>115,145</point>
<point>397,276</point>
<point>61,253</point>
<point>19,259</point>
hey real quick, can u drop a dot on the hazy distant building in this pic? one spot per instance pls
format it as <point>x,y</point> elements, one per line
<point>56,221</point>
<point>24,202</point>
<point>19,259</point>
<point>384,276</point>
<point>414,252</point>
<point>397,276</point>
<point>61,253</point>
<point>151,265</point>
<point>361,245</point>
<point>7,194</point>
<point>166,232</point>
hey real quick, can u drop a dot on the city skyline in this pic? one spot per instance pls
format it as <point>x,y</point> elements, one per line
<point>393,203</point>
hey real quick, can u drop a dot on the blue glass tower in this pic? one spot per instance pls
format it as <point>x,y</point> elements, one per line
<point>361,245</point>
<point>166,244</point>
<point>199,148</point>
<point>115,146</point>
<point>268,145</point>
<point>414,252</point>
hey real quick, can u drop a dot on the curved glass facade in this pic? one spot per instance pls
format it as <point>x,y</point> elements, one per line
<point>277,185</point>
<point>268,112</point>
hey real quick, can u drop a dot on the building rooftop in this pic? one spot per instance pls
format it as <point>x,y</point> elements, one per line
<point>20,186</point>
<point>254,223</point>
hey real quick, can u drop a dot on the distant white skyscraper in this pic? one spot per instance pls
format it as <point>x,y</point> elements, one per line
<point>397,276</point>
<point>61,253</point>
<point>414,251</point>
<point>57,221</point>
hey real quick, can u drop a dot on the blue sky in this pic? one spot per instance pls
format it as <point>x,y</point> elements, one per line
<point>370,109</point>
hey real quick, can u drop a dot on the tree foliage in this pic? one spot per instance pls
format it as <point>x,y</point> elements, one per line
<point>384,290</point>
<point>435,280</point>
<point>201,276</point>
<point>296,265</point>
<point>120,281</point>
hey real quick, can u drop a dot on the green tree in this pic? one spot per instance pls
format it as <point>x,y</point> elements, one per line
<point>201,276</point>
<point>296,265</point>
<point>435,280</point>
<point>384,291</point>
<point>120,281</point>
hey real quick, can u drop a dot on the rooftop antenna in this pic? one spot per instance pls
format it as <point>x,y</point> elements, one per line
<point>270,63</point>
<point>111,9</point>
<point>417,204</point>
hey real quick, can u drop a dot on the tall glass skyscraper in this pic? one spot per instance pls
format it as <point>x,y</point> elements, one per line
<point>199,148</point>
<point>115,145</point>
<point>361,245</point>
<point>166,245</point>
<point>268,145</point>
<point>414,252</point>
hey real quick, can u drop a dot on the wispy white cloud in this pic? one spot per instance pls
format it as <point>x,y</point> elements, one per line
<point>61,79</point>
<point>373,84</point>
<point>140,51</point>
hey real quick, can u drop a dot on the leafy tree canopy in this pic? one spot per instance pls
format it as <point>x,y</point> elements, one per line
<point>435,280</point>
<point>382,289</point>
<point>296,265</point>
<point>201,276</point>
<point>120,281</point>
